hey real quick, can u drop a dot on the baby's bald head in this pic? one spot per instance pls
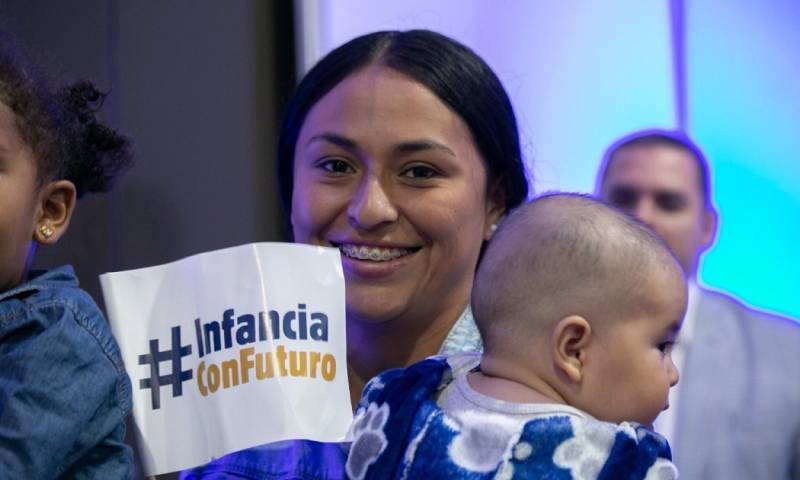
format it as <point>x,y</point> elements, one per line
<point>562,255</point>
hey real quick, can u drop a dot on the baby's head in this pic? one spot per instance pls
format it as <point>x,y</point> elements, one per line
<point>52,151</point>
<point>582,303</point>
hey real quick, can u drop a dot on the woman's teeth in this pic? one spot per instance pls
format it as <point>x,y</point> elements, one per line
<point>373,253</point>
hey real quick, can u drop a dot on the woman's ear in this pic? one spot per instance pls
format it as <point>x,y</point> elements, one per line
<point>495,210</point>
<point>57,202</point>
<point>571,338</point>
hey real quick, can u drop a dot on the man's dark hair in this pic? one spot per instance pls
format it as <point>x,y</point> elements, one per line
<point>661,137</point>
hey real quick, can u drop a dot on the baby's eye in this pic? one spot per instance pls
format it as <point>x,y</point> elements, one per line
<point>336,165</point>
<point>420,171</point>
<point>666,347</point>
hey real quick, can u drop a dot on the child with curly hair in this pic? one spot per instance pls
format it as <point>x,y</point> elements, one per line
<point>64,393</point>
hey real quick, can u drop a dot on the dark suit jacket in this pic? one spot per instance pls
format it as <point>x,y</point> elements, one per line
<point>739,406</point>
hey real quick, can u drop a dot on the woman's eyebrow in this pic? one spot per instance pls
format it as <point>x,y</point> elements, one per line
<point>335,139</point>
<point>414,146</point>
<point>402,148</point>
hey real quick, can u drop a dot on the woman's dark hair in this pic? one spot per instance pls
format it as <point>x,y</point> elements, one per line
<point>61,129</point>
<point>453,72</point>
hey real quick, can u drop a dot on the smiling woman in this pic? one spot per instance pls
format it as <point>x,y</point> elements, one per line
<point>390,175</point>
<point>402,150</point>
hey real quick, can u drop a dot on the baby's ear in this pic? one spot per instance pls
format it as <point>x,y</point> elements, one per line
<point>571,338</point>
<point>57,202</point>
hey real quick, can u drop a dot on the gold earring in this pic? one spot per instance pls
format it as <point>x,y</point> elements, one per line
<point>46,231</point>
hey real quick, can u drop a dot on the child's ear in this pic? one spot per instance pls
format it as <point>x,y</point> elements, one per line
<point>570,342</point>
<point>57,202</point>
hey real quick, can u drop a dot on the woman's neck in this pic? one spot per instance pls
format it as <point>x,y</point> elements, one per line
<point>375,347</point>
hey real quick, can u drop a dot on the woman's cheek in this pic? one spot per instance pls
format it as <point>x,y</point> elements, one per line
<point>316,209</point>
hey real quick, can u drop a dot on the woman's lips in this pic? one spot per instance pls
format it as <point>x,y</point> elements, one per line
<point>373,262</point>
<point>375,254</point>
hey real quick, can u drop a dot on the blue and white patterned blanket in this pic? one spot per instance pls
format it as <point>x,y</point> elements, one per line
<point>400,432</point>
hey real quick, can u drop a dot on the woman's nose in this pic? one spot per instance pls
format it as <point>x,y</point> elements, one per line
<point>371,205</point>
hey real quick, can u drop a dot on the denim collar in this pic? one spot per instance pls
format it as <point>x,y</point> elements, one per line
<point>38,280</point>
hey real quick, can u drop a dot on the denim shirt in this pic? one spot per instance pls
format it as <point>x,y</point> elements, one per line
<point>306,459</point>
<point>64,393</point>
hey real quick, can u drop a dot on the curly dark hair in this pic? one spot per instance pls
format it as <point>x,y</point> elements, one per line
<point>61,128</point>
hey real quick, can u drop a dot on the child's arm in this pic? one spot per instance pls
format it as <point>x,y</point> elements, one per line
<point>63,400</point>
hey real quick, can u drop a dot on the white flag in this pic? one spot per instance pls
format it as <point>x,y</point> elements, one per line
<point>231,349</point>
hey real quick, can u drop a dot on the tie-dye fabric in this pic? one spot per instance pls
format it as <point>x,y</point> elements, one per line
<point>401,433</point>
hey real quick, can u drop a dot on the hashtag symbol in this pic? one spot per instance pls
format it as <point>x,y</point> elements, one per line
<point>176,378</point>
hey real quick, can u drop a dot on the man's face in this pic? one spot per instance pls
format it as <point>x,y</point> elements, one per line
<point>660,185</point>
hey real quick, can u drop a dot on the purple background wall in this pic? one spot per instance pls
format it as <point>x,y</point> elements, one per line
<point>581,74</point>
<point>199,86</point>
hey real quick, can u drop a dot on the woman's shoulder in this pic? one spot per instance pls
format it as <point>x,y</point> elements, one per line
<point>424,378</point>
<point>463,336</point>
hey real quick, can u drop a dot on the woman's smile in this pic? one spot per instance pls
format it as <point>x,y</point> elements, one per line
<point>373,253</point>
<point>373,263</point>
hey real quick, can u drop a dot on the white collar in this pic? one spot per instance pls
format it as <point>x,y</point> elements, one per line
<point>690,320</point>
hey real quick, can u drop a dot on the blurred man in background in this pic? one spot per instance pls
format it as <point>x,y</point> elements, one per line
<point>735,414</point>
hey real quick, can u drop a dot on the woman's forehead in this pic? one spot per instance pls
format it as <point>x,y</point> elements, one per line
<point>379,104</point>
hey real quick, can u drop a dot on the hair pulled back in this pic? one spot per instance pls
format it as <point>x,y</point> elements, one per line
<point>453,72</point>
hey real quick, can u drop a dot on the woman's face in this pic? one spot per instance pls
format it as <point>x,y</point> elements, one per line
<point>388,174</point>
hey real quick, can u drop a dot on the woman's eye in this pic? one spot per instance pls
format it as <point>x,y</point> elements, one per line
<point>336,166</point>
<point>421,171</point>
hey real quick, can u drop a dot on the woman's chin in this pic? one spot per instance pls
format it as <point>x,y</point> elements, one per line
<point>374,308</point>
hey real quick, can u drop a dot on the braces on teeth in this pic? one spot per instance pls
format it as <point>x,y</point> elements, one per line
<point>373,253</point>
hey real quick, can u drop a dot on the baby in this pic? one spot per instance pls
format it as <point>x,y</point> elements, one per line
<point>64,394</point>
<point>578,306</point>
